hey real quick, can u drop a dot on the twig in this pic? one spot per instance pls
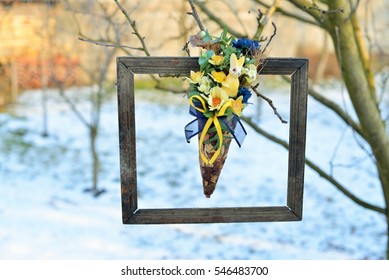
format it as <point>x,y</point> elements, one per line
<point>333,107</point>
<point>260,25</point>
<point>105,44</point>
<point>74,107</point>
<point>186,48</point>
<point>231,5</point>
<point>352,12</point>
<point>133,26</point>
<point>288,14</point>
<point>271,37</point>
<point>268,100</point>
<point>222,24</point>
<point>322,11</point>
<point>262,19</point>
<point>196,15</point>
<point>315,13</point>
<point>316,168</point>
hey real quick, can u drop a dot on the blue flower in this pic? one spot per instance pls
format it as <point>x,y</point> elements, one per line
<point>245,44</point>
<point>245,92</point>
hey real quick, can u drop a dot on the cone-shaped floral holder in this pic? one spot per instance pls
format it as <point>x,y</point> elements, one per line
<point>214,136</point>
<point>210,172</point>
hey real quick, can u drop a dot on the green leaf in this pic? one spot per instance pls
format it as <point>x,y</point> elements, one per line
<point>212,129</point>
<point>251,61</point>
<point>207,37</point>
<point>207,68</point>
<point>224,38</point>
<point>210,140</point>
<point>208,114</point>
<point>228,112</point>
<point>192,92</point>
<point>216,40</point>
<point>229,117</point>
<point>203,59</point>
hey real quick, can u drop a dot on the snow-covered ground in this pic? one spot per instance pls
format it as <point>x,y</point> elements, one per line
<point>45,214</point>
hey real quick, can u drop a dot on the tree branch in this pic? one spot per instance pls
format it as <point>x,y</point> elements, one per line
<point>106,44</point>
<point>196,15</point>
<point>333,107</point>
<point>264,18</point>
<point>73,107</point>
<point>271,37</point>
<point>134,28</point>
<point>218,20</point>
<point>288,14</point>
<point>316,13</point>
<point>269,101</point>
<point>353,10</point>
<point>232,7</point>
<point>316,168</point>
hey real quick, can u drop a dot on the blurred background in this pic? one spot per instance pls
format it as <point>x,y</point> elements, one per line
<point>59,158</point>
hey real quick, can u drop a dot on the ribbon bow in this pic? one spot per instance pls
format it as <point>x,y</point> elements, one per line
<point>202,124</point>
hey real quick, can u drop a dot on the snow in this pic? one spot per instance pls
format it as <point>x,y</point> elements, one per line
<point>45,213</point>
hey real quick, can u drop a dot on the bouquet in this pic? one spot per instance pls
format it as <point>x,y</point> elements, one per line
<point>218,94</point>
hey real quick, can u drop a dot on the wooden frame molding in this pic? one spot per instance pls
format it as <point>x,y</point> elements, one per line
<point>127,67</point>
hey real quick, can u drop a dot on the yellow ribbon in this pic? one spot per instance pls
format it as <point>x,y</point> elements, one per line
<point>213,120</point>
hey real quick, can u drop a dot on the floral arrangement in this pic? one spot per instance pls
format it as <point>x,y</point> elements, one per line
<point>218,94</point>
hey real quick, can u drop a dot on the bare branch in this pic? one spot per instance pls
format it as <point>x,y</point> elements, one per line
<point>289,14</point>
<point>262,19</point>
<point>322,11</point>
<point>268,100</point>
<point>185,48</point>
<point>353,10</point>
<point>316,168</point>
<point>334,107</point>
<point>232,7</point>
<point>73,107</point>
<point>134,28</point>
<point>218,20</point>
<point>106,44</point>
<point>271,37</point>
<point>196,15</point>
<point>316,13</point>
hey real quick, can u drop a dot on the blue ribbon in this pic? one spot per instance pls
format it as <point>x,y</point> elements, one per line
<point>196,126</point>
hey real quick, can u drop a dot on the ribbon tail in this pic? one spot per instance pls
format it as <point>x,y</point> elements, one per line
<point>196,126</point>
<point>239,133</point>
<point>191,130</point>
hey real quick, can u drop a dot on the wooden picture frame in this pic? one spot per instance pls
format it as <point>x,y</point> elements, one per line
<point>127,67</point>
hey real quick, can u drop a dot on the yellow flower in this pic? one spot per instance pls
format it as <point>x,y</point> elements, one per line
<point>237,106</point>
<point>195,77</point>
<point>217,98</point>
<point>218,76</point>
<point>216,60</point>
<point>205,85</point>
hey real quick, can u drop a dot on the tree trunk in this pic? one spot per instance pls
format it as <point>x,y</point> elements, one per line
<point>357,79</point>
<point>95,161</point>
